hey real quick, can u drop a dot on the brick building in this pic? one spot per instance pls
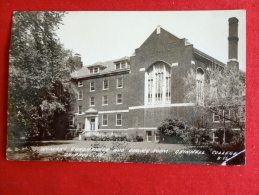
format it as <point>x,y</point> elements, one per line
<point>139,91</point>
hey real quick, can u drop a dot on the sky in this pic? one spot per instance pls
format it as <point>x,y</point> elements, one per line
<point>103,36</point>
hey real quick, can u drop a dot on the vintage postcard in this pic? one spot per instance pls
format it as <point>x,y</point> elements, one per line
<point>139,87</point>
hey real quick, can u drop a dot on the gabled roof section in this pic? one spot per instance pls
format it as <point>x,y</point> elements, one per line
<point>161,31</point>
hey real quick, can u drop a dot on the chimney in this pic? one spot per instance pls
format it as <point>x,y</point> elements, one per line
<point>233,43</point>
<point>158,29</point>
<point>78,62</point>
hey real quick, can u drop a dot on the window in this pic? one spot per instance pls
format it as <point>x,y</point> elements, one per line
<point>105,120</point>
<point>119,83</point>
<point>157,137</point>
<point>80,95</point>
<point>92,86</point>
<point>71,120</point>
<point>200,86</point>
<point>105,100</point>
<point>121,65</point>
<point>96,70</point>
<point>149,136</point>
<point>118,66</point>
<point>118,119</point>
<point>91,70</point>
<point>216,117</point>
<point>158,81</point>
<point>79,109</point>
<point>119,99</point>
<point>105,84</point>
<point>80,84</point>
<point>91,101</point>
<point>226,115</point>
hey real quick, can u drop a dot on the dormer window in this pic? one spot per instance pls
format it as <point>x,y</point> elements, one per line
<point>94,70</point>
<point>121,65</point>
<point>118,66</point>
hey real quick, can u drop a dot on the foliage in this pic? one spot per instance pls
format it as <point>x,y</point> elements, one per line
<point>39,87</point>
<point>172,126</point>
<point>222,90</point>
<point>233,139</point>
<point>199,136</point>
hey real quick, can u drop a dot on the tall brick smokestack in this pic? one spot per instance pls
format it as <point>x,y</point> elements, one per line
<point>233,43</point>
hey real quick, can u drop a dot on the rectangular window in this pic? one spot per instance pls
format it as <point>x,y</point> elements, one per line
<point>119,83</point>
<point>216,117</point>
<point>92,86</point>
<point>80,95</point>
<point>105,84</point>
<point>226,114</point>
<point>91,101</point>
<point>149,136</point>
<point>118,66</point>
<point>96,70</point>
<point>80,84</point>
<point>105,120</point>
<point>119,99</point>
<point>79,109</point>
<point>105,100</point>
<point>91,70</point>
<point>118,119</point>
<point>71,120</point>
<point>157,137</point>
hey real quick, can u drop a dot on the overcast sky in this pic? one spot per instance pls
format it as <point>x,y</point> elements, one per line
<point>102,36</point>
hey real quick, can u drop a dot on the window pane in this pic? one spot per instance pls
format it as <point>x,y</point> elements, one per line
<point>119,82</point>
<point>105,84</point>
<point>105,120</point>
<point>119,98</point>
<point>105,99</point>
<point>119,119</point>
<point>117,66</point>
<point>80,83</point>
<point>80,95</point>
<point>92,101</point>
<point>92,86</point>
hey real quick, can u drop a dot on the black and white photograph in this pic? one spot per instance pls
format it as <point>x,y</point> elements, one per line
<point>127,87</point>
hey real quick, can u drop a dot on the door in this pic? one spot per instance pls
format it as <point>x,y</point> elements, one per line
<point>92,124</point>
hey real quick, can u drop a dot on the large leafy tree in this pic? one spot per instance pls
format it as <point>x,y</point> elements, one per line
<point>39,86</point>
<point>223,91</point>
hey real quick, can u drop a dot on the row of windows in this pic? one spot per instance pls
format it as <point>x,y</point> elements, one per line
<point>119,84</point>
<point>223,115</point>
<point>119,100</point>
<point>118,120</point>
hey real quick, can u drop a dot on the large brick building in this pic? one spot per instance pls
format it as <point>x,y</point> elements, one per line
<point>139,91</point>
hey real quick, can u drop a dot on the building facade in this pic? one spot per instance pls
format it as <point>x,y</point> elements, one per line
<point>139,91</point>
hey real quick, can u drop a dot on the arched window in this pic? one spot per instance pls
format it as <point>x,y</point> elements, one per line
<point>158,83</point>
<point>200,86</point>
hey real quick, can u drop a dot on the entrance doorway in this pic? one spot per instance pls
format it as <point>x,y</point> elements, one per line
<point>92,124</point>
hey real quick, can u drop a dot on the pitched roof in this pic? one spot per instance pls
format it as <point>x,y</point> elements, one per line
<point>109,67</point>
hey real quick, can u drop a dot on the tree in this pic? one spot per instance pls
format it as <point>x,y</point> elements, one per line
<point>39,74</point>
<point>222,92</point>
